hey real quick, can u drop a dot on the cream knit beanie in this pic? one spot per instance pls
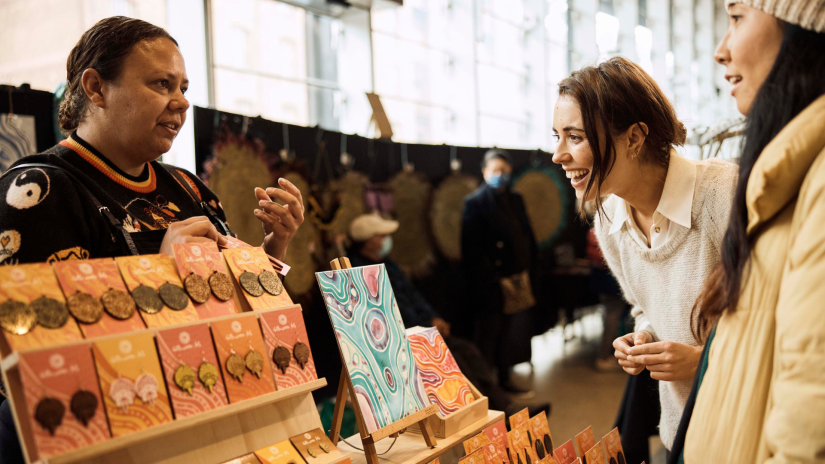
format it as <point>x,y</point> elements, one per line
<point>808,14</point>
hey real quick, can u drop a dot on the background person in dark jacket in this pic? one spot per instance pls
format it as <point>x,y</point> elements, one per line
<point>497,242</point>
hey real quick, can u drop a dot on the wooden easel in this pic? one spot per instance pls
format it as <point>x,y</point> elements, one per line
<point>345,387</point>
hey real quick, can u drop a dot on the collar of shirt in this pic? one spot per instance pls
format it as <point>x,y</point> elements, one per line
<point>676,203</point>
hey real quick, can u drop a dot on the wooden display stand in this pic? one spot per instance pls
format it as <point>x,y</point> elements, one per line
<point>451,424</point>
<point>211,437</point>
<point>345,387</point>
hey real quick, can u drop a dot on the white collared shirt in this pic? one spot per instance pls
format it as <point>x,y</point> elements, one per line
<point>675,206</point>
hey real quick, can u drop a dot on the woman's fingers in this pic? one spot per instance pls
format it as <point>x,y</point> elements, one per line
<point>291,188</point>
<point>273,223</point>
<point>295,206</point>
<point>201,228</point>
<point>285,216</point>
<point>663,367</point>
<point>647,359</point>
<point>623,343</point>
<point>649,348</point>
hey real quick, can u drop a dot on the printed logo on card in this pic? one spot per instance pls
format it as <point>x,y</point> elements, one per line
<point>144,263</point>
<point>85,268</point>
<point>125,347</point>
<point>273,450</point>
<point>308,436</point>
<point>18,274</point>
<point>236,327</point>
<point>184,337</point>
<point>517,434</point>
<point>282,319</point>
<point>245,254</point>
<point>196,250</point>
<point>495,432</point>
<point>57,361</point>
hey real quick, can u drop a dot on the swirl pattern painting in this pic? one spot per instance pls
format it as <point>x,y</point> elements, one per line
<point>443,380</point>
<point>373,344</point>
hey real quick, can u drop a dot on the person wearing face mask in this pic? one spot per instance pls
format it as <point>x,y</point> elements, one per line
<point>498,253</point>
<point>102,192</point>
<point>759,394</point>
<point>371,238</point>
<point>660,228</point>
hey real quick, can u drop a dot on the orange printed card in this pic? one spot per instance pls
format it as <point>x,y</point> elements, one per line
<point>476,442</point>
<point>28,282</point>
<point>285,328</point>
<point>585,440</point>
<point>280,453</point>
<point>476,457</point>
<point>499,429</point>
<point>315,447</point>
<point>566,453</point>
<point>520,418</point>
<point>613,446</point>
<point>245,459</point>
<point>239,336</point>
<point>542,440</point>
<point>496,452</point>
<point>154,271</point>
<point>204,259</point>
<point>595,455</point>
<point>95,277</point>
<point>61,375</point>
<point>131,382</point>
<point>188,348</point>
<point>254,260</point>
<point>518,441</point>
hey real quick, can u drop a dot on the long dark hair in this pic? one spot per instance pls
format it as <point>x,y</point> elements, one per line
<point>102,48</point>
<point>795,81</point>
<point>616,95</point>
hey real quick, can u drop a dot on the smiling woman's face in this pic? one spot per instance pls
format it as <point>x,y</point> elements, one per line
<point>748,52</point>
<point>573,150</point>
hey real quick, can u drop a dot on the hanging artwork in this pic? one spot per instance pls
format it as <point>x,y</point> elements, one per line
<point>443,380</point>
<point>17,138</point>
<point>413,249</point>
<point>547,200</point>
<point>303,247</point>
<point>374,347</point>
<point>349,190</point>
<point>445,214</point>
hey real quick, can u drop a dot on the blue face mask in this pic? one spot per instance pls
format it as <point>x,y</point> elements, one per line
<point>499,181</point>
<point>386,247</point>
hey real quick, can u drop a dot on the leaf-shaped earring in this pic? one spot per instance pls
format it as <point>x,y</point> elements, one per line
<point>254,361</point>
<point>49,413</point>
<point>84,406</point>
<point>185,378</point>
<point>281,357</point>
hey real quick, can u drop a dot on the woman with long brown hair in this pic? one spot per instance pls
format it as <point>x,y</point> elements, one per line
<point>761,383</point>
<point>661,228</point>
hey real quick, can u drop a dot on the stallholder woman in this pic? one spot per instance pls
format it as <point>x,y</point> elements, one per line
<point>102,192</point>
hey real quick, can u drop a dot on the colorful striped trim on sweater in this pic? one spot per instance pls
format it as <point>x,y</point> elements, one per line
<point>145,186</point>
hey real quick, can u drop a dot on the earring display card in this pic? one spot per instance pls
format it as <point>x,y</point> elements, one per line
<point>245,459</point>
<point>154,271</point>
<point>443,380</point>
<point>255,260</point>
<point>496,453</point>
<point>476,457</point>
<point>316,443</point>
<point>542,440</point>
<point>24,284</point>
<point>585,440</point>
<point>277,264</point>
<point>190,346</point>
<point>613,446</point>
<point>473,443</point>
<point>519,444</point>
<point>497,434</point>
<point>204,259</point>
<point>373,344</point>
<point>95,277</point>
<point>595,455</point>
<point>286,328</point>
<point>60,373</point>
<point>239,336</point>
<point>131,381</point>
<point>520,418</point>
<point>280,453</point>
<point>566,453</point>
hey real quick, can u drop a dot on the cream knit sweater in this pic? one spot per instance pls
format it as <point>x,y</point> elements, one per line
<point>662,284</point>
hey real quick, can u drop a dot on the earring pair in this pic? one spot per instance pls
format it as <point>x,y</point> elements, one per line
<point>49,411</point>
<point>255,285</point>
<point>123,390</point>
<point>185,376</point>
<point>237,365</point>
<point>88,309</point>
<point>20,318</point>
<point>282,357</point>
<point>199,288</point>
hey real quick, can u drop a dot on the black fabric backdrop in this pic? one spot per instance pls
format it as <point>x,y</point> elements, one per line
<point>37,103</point>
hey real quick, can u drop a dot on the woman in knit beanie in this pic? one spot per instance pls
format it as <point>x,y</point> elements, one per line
<point>759,393</point>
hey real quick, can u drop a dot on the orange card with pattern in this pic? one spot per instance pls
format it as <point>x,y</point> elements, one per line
<point>95,277</point>
<point>520,418</point>
<point>131,382</point>
<point>25,283</point>
<point>542,440</point>
<point>190,346</point>
<point>254,260</point>
<point>313,440</point>
<point>566,453</point>
<point>613,447</point>
<point>476,457</point>
<point>475,442</point>
<point>585,440</point>
<point>595,455</point>
<point>280,453</point>
<point>154,271</point>
<point>497,434</point>
<point>496,452</point>
<point>58,374</point>
<point>519,444</point>
<point>204,259</point>
<point>285,327</point>
<point>240,335</point>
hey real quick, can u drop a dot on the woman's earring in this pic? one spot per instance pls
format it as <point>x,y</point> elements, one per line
<point>281,357</point>
<point>185,378</point>
<point>221,286</point>
<point>197,287</point>
<point>123,392</point>
<point>301,353</point>
<point>270,282</point>
<point>254,361</point>
<point>236,366</point>
<point>146,386</point>
<point>84,406</point>
<point>49,414</point>
<point>208,374</point>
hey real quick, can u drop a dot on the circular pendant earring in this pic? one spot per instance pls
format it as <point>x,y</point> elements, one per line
<point>17,318</point>
<point>147,299</point>
<point>270,282</point>
<point>197,288</point>
<point>221,286</point>
<point>173,296</point>
<point>85,308</point>
<point>118,304</point>
<point>249,282</point>
<point>51,313</point>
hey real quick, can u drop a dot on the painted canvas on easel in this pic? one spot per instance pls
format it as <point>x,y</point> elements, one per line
<point>373,344</point>
<point>443,380</point>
